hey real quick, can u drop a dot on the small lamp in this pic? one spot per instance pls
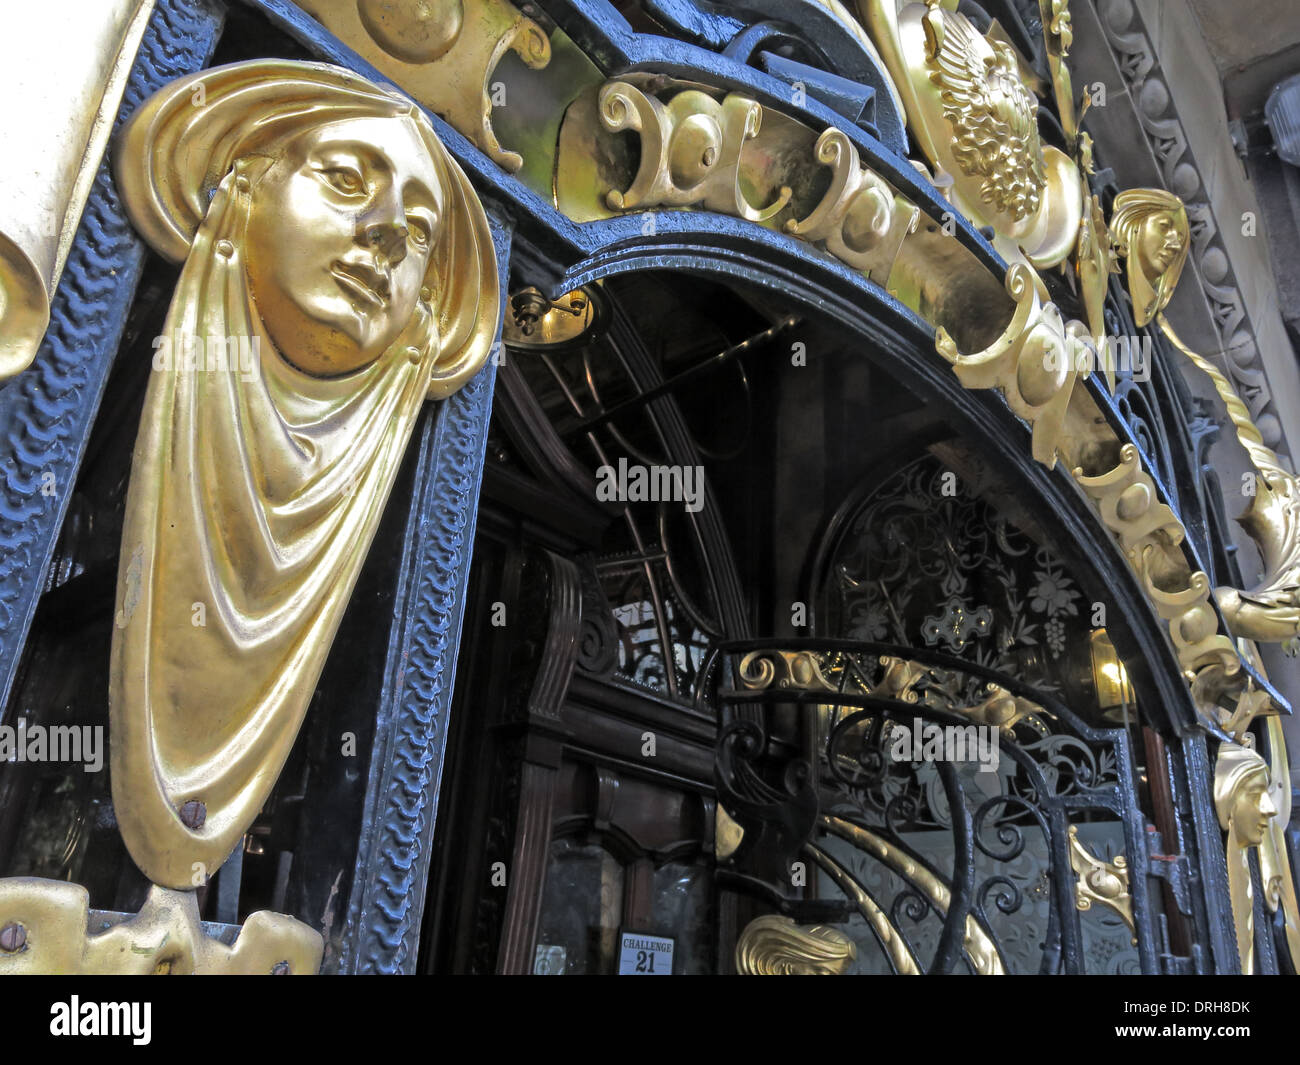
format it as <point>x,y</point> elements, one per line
<point>1110,679</point>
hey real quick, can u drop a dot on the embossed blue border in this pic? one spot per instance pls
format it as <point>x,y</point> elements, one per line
<point>46,412</point>
<point>382,931</point>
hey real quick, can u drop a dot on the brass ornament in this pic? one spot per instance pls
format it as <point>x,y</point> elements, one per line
<point>320,220</point>
<point>975,119</point>
<point>860,220</point>
<point>775,946</point>
<point>1150,534</point>
<point>443,52</point>
<point>900,954</point>
<point>1246,811</point>
<point>1274,854</point>
<point>1035,362</point>
<point>690,150</point>
<point>1149,228</point>
<point>1094,262</point>
<point>52,922</point>
<point>992,114</point>
<point>1058,36</point>
<point>977,942</point>
<point>1269,612</point>
<point>1101,882</point>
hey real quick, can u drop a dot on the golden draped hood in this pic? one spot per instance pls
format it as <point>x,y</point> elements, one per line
<point>256,488</point>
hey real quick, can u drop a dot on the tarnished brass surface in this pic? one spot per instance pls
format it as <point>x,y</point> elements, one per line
<point>1246,811</point>
<point>443,52</point>
<point>775,946</point>
<point>344,242</point>
<point>58,116</point>
<point>165,937</point>
<point>1104,883</point>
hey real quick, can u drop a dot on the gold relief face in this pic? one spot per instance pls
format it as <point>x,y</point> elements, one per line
<point>1160,241</point>
<point>1253,809</point>
<point>339,239</point>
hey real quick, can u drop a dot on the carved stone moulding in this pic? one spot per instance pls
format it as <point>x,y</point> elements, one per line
<point>1157,110</point>
<point>47,927</point>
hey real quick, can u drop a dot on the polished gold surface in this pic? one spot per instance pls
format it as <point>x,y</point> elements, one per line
<point>690,150</point>
<point>1274,854</point>
<point>1150,230</point>
<point>1270,611</point>
<point>1035,362</point>
<point>1058,36</point>
<point>321,224</point>
<point>860,220</point>
<point>1094,262</point>
<point>975,119</point>
<point>164,938</point>
<point>57,123</point>
<point>775,946</point>
<point>1110,678</point>
<point>1100,882</point>
<point>1246,812</point>
<point>443,52</point>
<point>1151,534</point>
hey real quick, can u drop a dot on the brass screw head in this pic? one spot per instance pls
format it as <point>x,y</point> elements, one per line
<point>13,937</point>
<point>193,814</point>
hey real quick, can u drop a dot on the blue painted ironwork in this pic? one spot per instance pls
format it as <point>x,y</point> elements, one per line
<point>392,871</point>
<point>46,412</point>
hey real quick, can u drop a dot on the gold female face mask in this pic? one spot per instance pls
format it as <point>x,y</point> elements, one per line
<point>339,238</point>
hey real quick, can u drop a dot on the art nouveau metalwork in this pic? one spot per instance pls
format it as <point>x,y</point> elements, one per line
<point>443,53</point>
<point>1149,227</point>
<point>776,946</point>
<point>1245,809</point>
<point>50,930</point>
<point>343,240</point>
<point>976,122</point>
<point>860,220</point>
<point>1035,362</point>
<point>1101,882</point>
<point>1271,610</point>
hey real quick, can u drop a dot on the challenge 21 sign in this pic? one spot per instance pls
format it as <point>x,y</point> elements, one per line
<point>643,955</point>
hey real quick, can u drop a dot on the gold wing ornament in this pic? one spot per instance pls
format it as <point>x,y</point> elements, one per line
<point>976,121</point>
<point>338,258</point>
<point>994,117</point>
